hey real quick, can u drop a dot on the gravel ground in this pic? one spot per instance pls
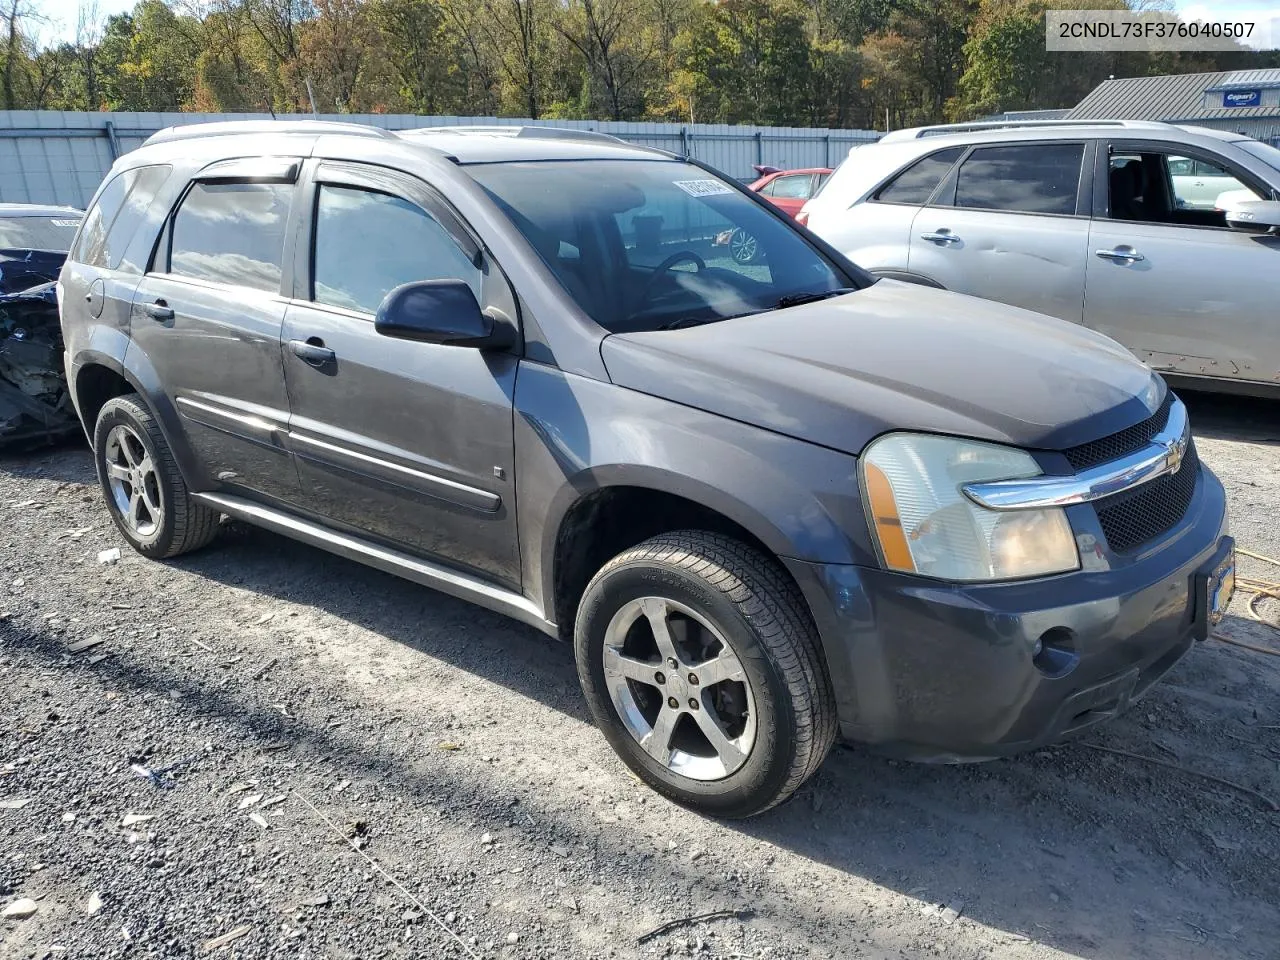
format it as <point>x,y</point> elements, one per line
<point>370,769</point>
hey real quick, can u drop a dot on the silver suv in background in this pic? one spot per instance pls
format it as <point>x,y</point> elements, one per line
<point>1104,223</point>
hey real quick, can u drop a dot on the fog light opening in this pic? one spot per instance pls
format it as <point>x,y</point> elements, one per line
<point>1054,653</point>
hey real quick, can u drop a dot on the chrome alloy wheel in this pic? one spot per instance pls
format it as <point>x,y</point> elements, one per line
<point>679,688</point>
<point>743,246</point>
<point>134,482</point>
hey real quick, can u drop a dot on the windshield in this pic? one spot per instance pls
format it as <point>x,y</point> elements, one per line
<point>37,233</point>
<point>644,245</point>
<point>1263,151</point>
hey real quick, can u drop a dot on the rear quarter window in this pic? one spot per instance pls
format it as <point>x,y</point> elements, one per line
<point>916,183</point>
<point>115,215</point>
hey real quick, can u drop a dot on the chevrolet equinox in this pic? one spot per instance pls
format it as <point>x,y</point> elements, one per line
<point>768,503</point>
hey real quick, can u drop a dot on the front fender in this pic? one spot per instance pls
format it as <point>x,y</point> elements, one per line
<point>575,435</point>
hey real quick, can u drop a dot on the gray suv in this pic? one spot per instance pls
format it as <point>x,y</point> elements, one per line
<point>768,503</point>
<point>1161,236</point>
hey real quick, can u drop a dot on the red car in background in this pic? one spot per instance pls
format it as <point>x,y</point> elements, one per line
<point>789,189</point>
<point>785,189</point>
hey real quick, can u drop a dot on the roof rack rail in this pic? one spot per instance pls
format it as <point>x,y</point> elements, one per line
<point>941,130</point>
<point>228,128</point>
<point>533,133</point>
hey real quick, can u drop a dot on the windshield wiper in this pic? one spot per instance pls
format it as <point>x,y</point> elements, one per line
<point>689,322</point>
<point>797,299</point>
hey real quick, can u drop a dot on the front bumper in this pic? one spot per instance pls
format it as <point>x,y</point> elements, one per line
<point>941,672</point>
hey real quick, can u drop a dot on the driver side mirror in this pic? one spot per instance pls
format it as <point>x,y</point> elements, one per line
<point>441,311</point>
<point>1255,216</point>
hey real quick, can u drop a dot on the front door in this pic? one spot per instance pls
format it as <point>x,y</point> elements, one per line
<point>1010,224</point>
<point>1170,280</point>
<point>411,443</point>
<point>208,316</point>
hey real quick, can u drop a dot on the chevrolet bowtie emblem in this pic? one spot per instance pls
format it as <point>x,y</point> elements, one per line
<point>1175,450</point>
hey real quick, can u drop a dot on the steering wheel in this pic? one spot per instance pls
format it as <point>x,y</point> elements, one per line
<point>662,269</point>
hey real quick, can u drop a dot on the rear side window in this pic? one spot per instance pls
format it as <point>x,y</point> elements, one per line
<point>368,243</point>
<point>793,187</point>
<point>110,224</point>
<point>917,183</point>
<point>1035,178</point>
<point>231,233</point>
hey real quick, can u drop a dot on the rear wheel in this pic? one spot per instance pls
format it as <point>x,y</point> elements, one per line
<point>702,668</point>
<point>145,494</point>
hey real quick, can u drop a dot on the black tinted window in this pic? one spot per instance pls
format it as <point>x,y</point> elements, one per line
<point>916,183</point>
<point>231,233</point>
<point>1036,178</point>
<point>110,224</point>
<point>368,243</point>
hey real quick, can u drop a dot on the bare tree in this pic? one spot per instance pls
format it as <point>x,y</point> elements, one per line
<point>515,32</point>
<point>610,36</point>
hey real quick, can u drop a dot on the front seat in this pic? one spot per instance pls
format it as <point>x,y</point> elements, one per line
<point>1127,192</point>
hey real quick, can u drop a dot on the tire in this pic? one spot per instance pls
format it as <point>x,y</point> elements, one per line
<point>128,447</point>
<point>774,707</point>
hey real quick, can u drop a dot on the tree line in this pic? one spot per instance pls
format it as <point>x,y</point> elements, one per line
<point>838,63</point>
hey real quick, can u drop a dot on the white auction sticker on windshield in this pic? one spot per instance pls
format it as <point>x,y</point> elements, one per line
<point>66,223</point>
<point>702,188</point>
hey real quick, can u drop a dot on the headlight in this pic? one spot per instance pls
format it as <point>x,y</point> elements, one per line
<point>925,524</point>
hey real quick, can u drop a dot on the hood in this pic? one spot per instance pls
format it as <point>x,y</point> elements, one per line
<point>20,269</point>
<point>895,356</point>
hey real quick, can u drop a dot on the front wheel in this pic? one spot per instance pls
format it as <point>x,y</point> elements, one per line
<point>702,668</point>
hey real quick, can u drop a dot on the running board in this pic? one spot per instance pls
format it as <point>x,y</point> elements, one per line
<point>452,582</point>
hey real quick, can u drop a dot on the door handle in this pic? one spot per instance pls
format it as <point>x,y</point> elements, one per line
<point>159,310</point>
<point>312,351</point>
<point>1120,255</point>
<point>942,236</point>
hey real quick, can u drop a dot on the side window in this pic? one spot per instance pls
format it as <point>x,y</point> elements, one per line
<point>795,187</point>
<point>367,243</point>
<point>1139,183</point>
<point>917,183</point>
<point>231,233</point>
<point>768,189</point>
<point>109,225</point>
<point>1031,178</point>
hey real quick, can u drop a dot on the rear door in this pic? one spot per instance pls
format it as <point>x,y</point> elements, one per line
<point>409,443</point>
<point>208,315</point>
<point>876,234</point>
<point>1169,279</point>
<point>1011,224</point>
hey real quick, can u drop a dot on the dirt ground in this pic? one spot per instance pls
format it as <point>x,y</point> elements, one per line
<point>453,748</point>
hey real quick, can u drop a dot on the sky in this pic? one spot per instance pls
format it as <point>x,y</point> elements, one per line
<point>62,14</point>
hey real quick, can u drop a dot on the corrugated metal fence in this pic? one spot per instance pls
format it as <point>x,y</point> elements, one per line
<point>50,156</point>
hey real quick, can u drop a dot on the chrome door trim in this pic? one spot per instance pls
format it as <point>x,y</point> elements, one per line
<point>456,583</point>
<point>1163,455</point>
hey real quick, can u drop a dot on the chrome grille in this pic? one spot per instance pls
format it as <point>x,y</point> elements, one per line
<point>1118,444</point>
<point>1134,517</point>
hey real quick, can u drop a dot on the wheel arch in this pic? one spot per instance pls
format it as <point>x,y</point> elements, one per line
<point>616,509</point>
<point>99,376</point>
